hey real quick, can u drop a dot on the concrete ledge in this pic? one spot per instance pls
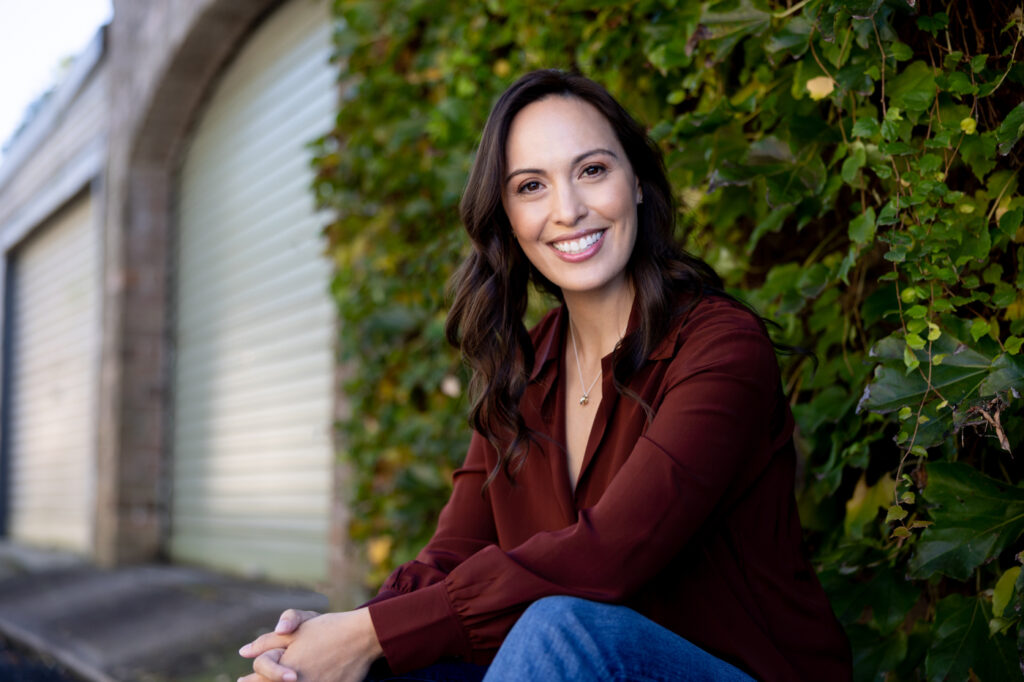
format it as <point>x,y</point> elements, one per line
<point>152,622</point>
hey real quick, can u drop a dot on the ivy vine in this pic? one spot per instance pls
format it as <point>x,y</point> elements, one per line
<point>851,168</point>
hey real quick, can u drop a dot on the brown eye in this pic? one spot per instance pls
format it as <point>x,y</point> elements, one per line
<point>529,186</point>
<point>593,170</point>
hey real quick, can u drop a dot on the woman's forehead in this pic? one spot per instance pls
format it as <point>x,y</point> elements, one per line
<point>557,129</point>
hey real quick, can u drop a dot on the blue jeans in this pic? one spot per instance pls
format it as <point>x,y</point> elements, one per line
<point>567,639</point>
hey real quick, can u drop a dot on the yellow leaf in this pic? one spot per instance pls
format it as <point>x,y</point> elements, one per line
<point>1015,311</point>
<point>820,87</point>
<point>1004,590</point>
<point>378,549</point>
<point>865,502</point>
<point>969,125</point>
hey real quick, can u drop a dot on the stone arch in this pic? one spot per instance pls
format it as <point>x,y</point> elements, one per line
<point>165,57</point>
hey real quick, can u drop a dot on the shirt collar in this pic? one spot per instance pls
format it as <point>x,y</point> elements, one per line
<point>550,342</point>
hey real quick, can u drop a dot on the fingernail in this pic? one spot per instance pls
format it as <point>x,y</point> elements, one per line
<point>281,626</point>
<point>244,650</point>
<point>288,676</point>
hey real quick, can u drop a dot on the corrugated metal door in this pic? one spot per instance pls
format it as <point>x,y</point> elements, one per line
<point>254,322</point>
<point>54,335</point>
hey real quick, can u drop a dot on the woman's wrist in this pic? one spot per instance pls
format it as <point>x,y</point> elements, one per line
<point>372,646</point>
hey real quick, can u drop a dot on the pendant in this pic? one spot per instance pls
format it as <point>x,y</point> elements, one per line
<point>585,399</point>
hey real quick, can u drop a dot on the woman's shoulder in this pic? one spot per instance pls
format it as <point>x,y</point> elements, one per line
<point>712,317</point>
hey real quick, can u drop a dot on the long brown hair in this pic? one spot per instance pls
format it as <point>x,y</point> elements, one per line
<point>489,291</point>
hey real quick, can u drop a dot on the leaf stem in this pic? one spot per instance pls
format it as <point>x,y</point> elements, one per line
<point>795,8</point>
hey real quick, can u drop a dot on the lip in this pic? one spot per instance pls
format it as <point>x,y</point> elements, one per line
<point>588,252</point>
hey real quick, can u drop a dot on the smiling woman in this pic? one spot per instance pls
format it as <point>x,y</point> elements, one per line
<point>636,525</point>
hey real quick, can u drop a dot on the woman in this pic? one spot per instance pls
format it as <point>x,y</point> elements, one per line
<point>630,478</point>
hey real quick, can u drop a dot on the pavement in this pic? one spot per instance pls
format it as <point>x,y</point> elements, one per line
<point>145,623</point>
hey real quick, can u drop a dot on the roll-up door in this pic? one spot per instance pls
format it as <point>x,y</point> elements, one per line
<point>53,360</point>
<point>254,323</point>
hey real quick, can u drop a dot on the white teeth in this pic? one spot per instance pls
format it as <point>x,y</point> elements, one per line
<point>575,246</point>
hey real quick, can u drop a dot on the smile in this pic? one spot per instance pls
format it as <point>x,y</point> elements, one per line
<point>577,246</point>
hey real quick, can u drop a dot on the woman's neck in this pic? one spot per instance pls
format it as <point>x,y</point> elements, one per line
<point>598,320</point>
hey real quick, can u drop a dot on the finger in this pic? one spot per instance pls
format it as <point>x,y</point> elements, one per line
<point>268,665</point>
<point>253,677</point>
<point>291,619</point>
<point>264,643</point>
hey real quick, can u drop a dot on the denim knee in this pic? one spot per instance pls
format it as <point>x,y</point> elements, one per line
<point>549,609</point>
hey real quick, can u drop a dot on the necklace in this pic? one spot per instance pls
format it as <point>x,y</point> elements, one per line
<point>585,398</point>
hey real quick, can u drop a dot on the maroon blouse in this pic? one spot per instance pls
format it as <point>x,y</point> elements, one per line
<point>690,520</point>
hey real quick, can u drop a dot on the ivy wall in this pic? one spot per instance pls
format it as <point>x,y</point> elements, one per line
<point>851,168</point>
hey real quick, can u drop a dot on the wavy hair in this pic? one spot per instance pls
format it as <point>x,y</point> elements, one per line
<point>489,291</point>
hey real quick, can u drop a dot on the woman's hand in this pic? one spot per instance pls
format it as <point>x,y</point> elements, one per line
<point>334,647</point>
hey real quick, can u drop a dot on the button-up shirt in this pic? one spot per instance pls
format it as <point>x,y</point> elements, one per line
<point>688,517</point>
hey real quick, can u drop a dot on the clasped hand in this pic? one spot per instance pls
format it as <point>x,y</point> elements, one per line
<point>309,647</point>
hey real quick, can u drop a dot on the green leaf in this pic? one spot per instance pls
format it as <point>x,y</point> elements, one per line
<point>978,63</point>
<point>853,163</point>
<point>979,153</point>
<point>975,516</point>
<point>913,89</point>
<point>1010,221</point>
<point>862,228</point>
<point>1011,129</point>
<point>1004,590</point>
<point>979,328</point>
<point>914,341</point>
<point>866,127</point>
<point>1007,374</point>
<point>910,359</point>
<point>956,82</point>
<point>890,214</point>
<point>917,311</point>
<point>962,644</point>
<point>895,513</point>
<point>934,23</point>
<point>951,60</point>
<point>901,52</point>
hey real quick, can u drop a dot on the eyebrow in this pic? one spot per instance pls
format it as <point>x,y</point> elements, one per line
<point>576,159</point>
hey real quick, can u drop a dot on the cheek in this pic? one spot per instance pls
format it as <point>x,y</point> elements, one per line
<point>525,219</point>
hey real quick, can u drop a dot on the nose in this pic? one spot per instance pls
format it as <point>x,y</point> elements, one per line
<point>569,205</point>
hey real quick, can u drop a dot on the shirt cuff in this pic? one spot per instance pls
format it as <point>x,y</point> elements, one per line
<point>418,628</point>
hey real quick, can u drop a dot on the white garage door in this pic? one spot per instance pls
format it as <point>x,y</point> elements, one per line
<point>54,336</point>
<point>254,323</point>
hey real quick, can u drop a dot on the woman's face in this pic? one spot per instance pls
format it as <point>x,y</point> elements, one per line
<point>571,195</point>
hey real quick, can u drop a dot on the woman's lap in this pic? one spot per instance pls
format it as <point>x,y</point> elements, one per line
<point>564,638</point>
